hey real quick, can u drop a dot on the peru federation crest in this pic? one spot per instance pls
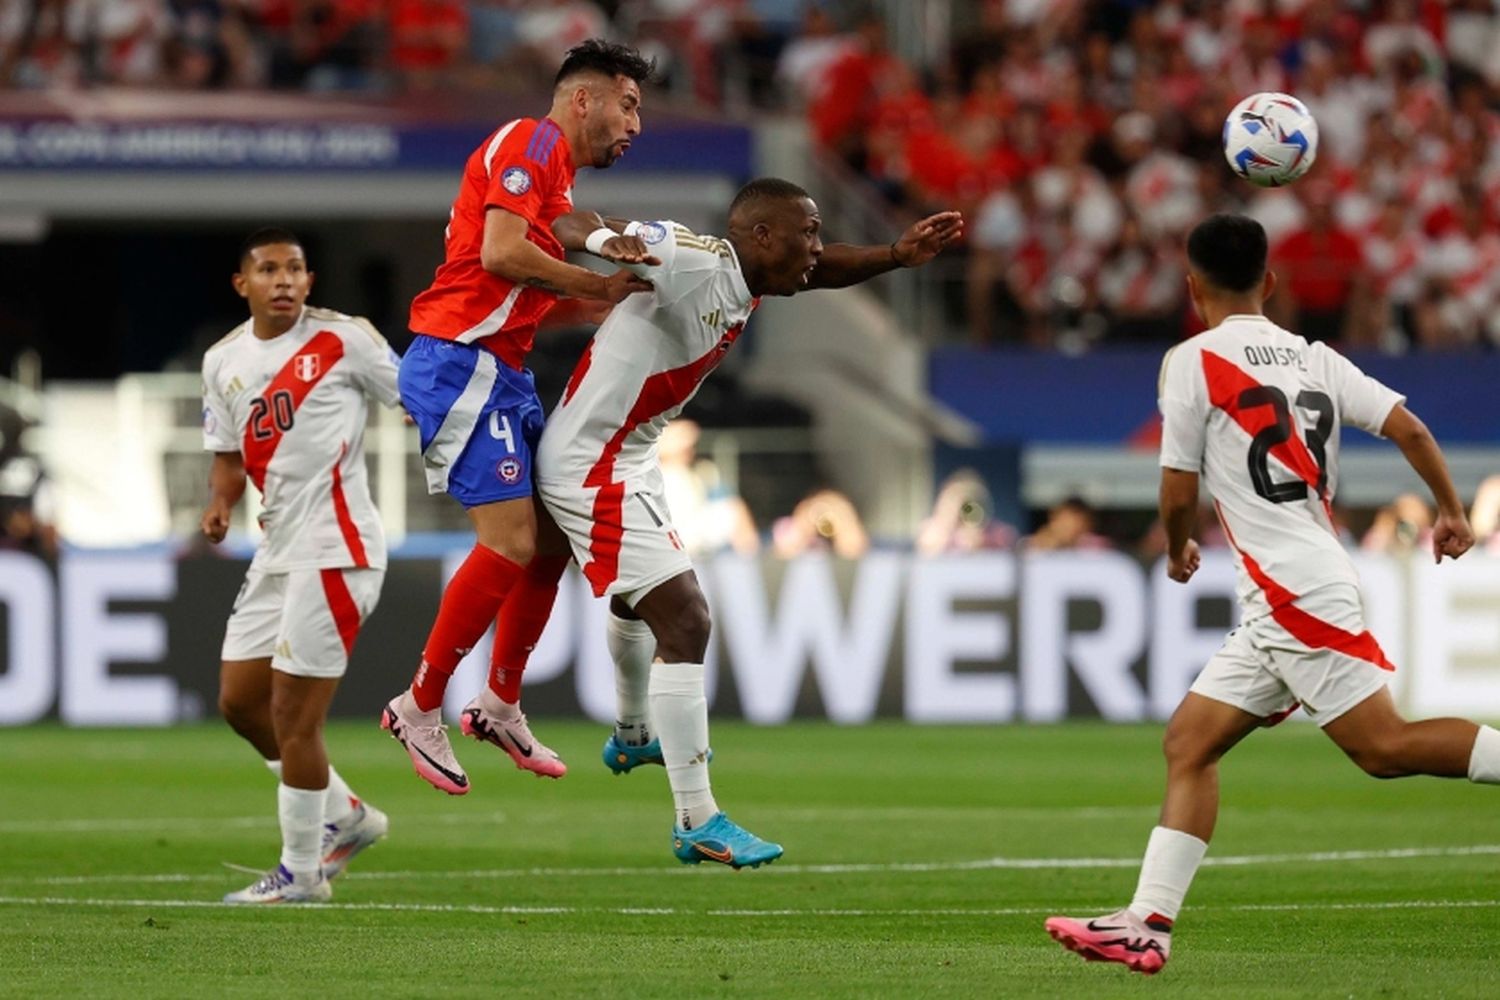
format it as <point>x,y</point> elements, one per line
<point>307,367</point>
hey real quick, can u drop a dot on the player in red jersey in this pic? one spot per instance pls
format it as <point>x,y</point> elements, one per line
<point>284,405</point>
<point>463,382</point>
<point>1257,411</point>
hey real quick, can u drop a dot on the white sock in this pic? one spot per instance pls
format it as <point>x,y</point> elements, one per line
<point>1172,859</point>
<point>301,814</point>
<point>679,709</point>
<point>632,647</point>
<point>1484,760</point>
<point>340,800</point>
<point>407,706</point>
<point>497,706</point>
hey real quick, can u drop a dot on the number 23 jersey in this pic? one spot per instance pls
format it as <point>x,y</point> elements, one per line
<point>1257,411</point>
<point>294,408</point>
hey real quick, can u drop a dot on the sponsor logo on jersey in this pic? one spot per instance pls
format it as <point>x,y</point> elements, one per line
<point>307,366</point>
<point>516,180</point>
<point>652,232</point>
<point>509,470</point>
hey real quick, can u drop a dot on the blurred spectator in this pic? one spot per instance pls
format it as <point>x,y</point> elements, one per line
<point>1484,517</point>
<point>1069,525</point>
<point>428,42</point>
<point>1141,285</point>
<point>323,44</point>
<point>1402,527</point>
<point>1320,266</point>
<point>707,516</point>
<point>26,501</point>
<point>963,518</point>
<point>825,520</point>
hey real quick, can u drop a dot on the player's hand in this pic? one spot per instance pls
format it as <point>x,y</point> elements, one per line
<point>627,250</point>
<point>1451,536</point>
<point>1182,567</point>
<point>925,239</point>
<point>622,284</point>
<point>215,523</point>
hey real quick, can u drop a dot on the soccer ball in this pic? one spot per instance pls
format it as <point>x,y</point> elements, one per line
<point>1270,139</point>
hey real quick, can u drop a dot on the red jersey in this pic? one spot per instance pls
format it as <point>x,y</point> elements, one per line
<point>526,167</point>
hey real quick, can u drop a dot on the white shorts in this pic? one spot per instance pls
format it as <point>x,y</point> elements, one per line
<point>623,540</point>
<point>1315,652</point>
<point>304,620</point>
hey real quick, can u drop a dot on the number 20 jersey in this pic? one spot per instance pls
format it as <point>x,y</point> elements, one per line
<point>294,408</point>
<point>1257,411</point>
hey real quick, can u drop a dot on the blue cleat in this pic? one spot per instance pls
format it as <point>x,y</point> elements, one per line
<point>724,841</point>
<point>621,757</point>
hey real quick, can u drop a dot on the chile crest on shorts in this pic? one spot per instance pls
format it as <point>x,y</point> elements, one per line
<point>510,471</point>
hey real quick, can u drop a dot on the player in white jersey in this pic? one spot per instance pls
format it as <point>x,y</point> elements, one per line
<point>1256,411</point>
<point>284,405</point>
<point>598,476</point>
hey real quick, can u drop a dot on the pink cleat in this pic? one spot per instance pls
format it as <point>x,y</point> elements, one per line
<point>1140,945</point>
<point>515,738</point>
<point>429,749</point>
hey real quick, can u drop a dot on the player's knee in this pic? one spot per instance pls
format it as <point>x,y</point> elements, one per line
<point>1184,748</point>
<point>1380,758</point>
<point>687,633</point>
<point>243,716</point>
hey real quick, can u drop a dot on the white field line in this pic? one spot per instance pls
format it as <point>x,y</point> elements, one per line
<point>983,864</point>
<point>629,911</point>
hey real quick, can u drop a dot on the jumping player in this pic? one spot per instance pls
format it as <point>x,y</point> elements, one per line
<point>464,382</point>
<point>598,476</point>
<point>1256,411</point>
<point>284,405</point>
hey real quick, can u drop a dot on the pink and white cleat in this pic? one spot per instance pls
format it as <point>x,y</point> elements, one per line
<point>514,737</point>
<point>1140,945</point>
<point>431,753</point>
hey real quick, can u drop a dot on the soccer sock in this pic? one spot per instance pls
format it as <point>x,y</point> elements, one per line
<point>1172,859</point>
<point>338,803</point>
<point>679,709</point>
<point>1484,759</point>
<point>301,813</point>
<point>632,647</point>
<point>469,604</point>
<point>520,622</point>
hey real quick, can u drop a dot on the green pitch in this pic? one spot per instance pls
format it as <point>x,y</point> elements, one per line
<point>920,862</point>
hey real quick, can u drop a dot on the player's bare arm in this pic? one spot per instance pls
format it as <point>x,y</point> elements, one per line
<point>574,229</point>
<point>1451,534</point>
<point>844,264</point>
<point>508,253</point>
<point>1179,507</point>
<point>226,484</point>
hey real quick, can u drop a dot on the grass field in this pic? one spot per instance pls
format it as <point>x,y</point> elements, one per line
<point>919,862</point>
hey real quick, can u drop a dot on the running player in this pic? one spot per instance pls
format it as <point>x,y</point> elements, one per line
<point>1256,411</point>
<point>284,405</point>
<point>464,382</point>
<point>598,476</point>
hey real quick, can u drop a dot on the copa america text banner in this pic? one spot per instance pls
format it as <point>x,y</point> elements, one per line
<point>133,639</point>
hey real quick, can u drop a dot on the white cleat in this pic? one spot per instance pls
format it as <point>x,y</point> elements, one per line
<point>428,747</point>
<point>1139,945</point>
<point>515,738</point>
<point>279,885</point>
<point>346,838</point>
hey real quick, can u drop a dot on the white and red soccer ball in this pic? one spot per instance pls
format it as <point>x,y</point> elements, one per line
<point>1270,139</point>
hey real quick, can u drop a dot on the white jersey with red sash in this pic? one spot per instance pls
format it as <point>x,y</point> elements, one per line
<point>295,408</point>
<point>1257,411</point>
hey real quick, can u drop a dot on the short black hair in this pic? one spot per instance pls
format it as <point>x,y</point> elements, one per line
<point>610,58</point>
<point>1229,250</point>
<point>266,236</point>
<point>765,189</point>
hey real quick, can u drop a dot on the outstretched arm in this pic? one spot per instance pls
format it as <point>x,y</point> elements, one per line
<point>844,264</point>
<point>574,229</point>
<point>1451,534</point>
<point>507,252</point>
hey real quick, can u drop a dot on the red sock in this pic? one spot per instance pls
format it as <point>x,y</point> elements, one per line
<point>469,604</point>
<point>520,622</point>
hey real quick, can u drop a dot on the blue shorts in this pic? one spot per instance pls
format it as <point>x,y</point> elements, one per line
<point>480,420</point>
